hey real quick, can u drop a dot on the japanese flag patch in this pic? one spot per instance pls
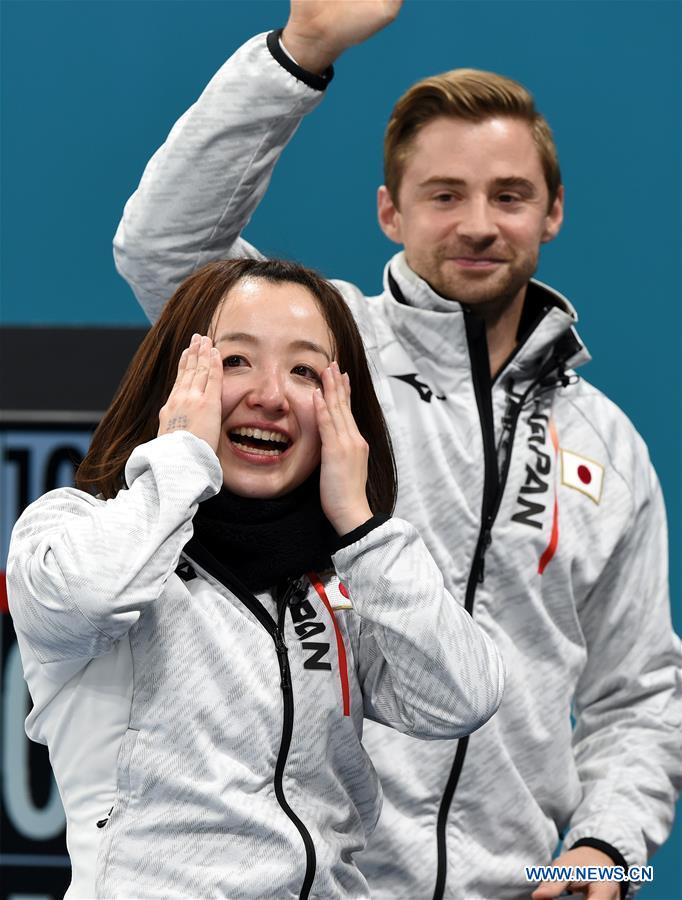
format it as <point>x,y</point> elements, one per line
<point>339,597</point>
<point>582,474</point>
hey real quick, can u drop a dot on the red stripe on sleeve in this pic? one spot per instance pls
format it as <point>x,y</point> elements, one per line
<point>554,537</point>
<point>553,541</point>
<point>4,605</point>
<point>340,646</point>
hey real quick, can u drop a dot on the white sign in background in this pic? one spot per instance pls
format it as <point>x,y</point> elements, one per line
<point>32,461</point>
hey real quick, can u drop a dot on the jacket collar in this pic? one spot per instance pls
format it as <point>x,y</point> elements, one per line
<point>547,324</point>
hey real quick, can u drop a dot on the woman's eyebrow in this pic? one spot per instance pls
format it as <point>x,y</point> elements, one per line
<point>309,345</point>
<point>252,339</point>
<point>237,336</point>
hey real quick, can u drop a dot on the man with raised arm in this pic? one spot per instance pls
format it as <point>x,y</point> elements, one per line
<point>532,490</point>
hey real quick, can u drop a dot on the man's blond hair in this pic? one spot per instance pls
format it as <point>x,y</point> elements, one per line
<point>469,94</point>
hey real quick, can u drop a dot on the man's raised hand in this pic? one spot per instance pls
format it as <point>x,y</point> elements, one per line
<point>318,31</point>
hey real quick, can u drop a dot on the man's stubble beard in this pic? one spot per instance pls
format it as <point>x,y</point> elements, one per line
<point>495,291</point>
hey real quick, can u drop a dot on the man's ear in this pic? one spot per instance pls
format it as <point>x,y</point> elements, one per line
<point>389,218</point>
<point>554,217</point>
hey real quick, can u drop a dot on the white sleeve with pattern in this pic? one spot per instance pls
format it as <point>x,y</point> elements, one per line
<point>628,705</point>
<point>426,668</point>
<point>80,569</point>
<point>201,187</point>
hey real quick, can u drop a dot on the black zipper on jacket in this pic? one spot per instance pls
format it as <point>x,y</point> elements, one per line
<point>287,729</point>
<point>206,560</point>
<point>493,485</point>
<point>480,372</point>
<point>493,491</point>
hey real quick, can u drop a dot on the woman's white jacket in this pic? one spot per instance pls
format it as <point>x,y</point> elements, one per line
<point>204,744</point>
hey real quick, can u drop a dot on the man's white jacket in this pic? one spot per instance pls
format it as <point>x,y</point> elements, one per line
<point>206,742</point>
<point>535,496</point>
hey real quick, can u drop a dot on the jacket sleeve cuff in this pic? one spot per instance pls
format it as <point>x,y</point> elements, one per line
<point>345,540</point>
<point>317,82</point>
<point>609,850</point>
<point>181,455</point>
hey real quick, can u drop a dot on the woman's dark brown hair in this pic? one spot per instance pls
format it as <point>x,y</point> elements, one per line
<point>133,417</point>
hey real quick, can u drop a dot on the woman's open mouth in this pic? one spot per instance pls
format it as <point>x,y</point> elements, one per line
<point>259,442</point>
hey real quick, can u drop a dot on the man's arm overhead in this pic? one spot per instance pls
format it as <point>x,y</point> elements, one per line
<point>201,187</point>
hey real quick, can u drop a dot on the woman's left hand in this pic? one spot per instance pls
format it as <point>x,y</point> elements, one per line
<point>343,473</point>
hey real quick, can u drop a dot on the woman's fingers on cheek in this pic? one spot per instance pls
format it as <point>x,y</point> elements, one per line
<point>346,423</point>
<point>338,381</point>
<point>177,384</point>
<point>327,388</point>
<point>345,388</point>
<point>324,422</point>
<point>328,379</point>
<point>182,364</point>
<point>320,404</point>
<point>333,399</point>
<point>215,372</point>
<point>343,391</point>
<point>191,361</point>
<point>194,345</point>
<point>203,364</point>
<point>331,386</point>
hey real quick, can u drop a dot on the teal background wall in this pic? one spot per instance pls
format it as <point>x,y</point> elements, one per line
<point>89,90</point>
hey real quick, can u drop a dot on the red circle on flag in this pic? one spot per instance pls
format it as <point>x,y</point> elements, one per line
<point>343,590</point>
<point>584,474</point>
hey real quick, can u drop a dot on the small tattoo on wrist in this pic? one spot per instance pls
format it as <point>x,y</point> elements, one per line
<point>177,423</point>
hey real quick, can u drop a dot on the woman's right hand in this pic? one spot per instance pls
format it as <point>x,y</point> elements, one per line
<point>194,404</point>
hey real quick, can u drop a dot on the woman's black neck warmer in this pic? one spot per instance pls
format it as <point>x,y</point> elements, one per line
<point>264,541</point>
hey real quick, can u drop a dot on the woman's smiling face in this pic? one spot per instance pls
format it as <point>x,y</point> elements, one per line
<point>275,344</point>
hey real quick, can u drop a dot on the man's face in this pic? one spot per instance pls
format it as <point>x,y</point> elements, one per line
<point>473,209</point>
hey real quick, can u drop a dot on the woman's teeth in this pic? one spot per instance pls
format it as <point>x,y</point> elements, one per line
<point>261,452</point>
<point>262,435</point>
<point>259,441</point>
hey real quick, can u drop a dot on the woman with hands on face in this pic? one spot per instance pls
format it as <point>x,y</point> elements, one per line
<point>207,619</point>
<point>195,405</point>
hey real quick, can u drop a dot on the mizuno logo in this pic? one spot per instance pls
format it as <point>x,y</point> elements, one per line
<point>424,391</point>
<point>186,572</point>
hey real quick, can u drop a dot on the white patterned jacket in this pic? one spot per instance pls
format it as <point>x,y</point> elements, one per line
<point>207,742</point>
<point>535,496</point>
